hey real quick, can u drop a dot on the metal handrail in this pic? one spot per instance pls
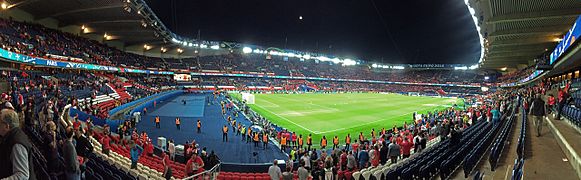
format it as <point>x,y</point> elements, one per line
<point>213,170</point>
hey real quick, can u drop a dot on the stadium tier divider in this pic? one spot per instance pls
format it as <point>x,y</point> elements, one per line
<point>138,101</point>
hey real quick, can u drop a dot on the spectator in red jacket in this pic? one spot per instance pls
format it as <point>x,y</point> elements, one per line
<point>406,147</point>
<point>194,165</point>
<point>105,142</point>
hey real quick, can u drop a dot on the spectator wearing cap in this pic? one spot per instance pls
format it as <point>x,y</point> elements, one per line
<point>15,148</point>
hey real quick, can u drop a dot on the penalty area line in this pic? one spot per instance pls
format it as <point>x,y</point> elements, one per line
<point>314,132</point>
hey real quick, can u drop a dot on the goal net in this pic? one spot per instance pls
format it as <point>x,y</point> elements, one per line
<point>413,94</point>
<point>249,98</point>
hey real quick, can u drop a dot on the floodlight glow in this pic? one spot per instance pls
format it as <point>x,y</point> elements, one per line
<point>175,40</point>
<point>257,51</point>
<point>473,67</point>
<point>185,43</point>
<point>486,77</point>
<point>190,44</point>
<point>323,58</point>
<point>349,62</point>
<point>307,56</point>
<point>203,46</point>
<point>336,61</point>
<point>374,65</point>
<point>246,50</point>
<point>215,47</point>
<point>398,67</point>
<point>461,68</point>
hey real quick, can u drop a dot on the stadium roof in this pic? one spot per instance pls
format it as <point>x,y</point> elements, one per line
<point>518,31</point>
<point>112,17</point>
<point>100,17</point>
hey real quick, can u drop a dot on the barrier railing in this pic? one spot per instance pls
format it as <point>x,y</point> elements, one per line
<point>207,174</point>
<point>518,169</point>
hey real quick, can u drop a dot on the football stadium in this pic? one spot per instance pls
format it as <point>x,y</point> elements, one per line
<point>291,90</point>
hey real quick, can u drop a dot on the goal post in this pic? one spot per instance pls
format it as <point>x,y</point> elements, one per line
<point>413,94</point>
<point>249,98</point>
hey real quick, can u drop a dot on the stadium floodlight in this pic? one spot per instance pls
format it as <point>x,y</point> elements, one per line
<point>203,46</point>
<point>374,65</point>
<point>83,27</point>
<point>398,67</point>
<point>4,5</point>
<point>503,69</point>
<point>146,47</point>
<point>348,62</point>
<point>246,50</point>
<point>307,56</point>
<point>180,50</point>
<point>175,40</point>
<point>190,44</point>
<point>486,77</point>
<point>461,68</point>
<point>473,67</point>
<point>215,47</point>
<point>323,58</point>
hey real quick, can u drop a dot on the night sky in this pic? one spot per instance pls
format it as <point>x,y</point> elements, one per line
<point>412,31</point>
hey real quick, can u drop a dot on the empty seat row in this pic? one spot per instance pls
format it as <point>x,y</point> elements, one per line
<point>573,114</point>
<point>499,142</point>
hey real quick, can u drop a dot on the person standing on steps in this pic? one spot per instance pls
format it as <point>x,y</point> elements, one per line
<point>538,112</point>
<point>178,122</point>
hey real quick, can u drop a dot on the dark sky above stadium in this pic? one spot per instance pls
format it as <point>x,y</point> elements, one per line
<point>410,31</point>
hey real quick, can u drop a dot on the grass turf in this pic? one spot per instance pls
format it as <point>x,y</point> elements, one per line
<point>340,114</point>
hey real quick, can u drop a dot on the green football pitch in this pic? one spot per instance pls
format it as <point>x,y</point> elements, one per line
<point>343,113</point>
